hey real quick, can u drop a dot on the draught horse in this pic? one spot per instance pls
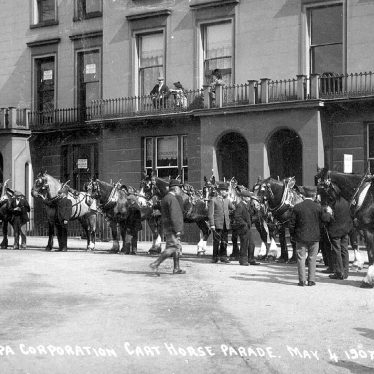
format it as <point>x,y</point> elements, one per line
<point>49,189</point>
<point>359,191</point>
<point>281,197</point>
<point>195,205</point>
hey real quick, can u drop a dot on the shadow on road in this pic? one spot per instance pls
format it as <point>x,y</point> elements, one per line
<point>354,367</point>
<point>367,333</point>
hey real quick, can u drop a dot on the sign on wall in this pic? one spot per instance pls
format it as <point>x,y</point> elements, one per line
<point>82,163</point>
<point>47,75</point>
<point>348,162</point>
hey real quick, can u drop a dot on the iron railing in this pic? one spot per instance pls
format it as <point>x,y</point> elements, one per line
<point>326,86</point>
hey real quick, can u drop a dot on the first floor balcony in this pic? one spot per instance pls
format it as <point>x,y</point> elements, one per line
<point>252,93</point>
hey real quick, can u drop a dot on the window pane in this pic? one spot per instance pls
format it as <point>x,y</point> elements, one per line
<point>93,6</point>
<point>219,40</point>
<point>45,84</point>
<point>148,79</point>
<point>167,151</point>
<point>92,92</point>
<point>184,150</point>
<point>149,152</point>
<point>327,25</point>
<point>327,58</point>
<point>46,10</point>
<point>218,51</point>
<point>371,141</point>
<point>167,172</point>
<point>151,50</point>
<point>91,66</point>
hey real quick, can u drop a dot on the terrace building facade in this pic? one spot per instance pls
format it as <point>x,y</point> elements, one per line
<point>298,88</point>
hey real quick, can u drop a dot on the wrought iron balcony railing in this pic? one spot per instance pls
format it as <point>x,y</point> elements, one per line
<point>301,88</point>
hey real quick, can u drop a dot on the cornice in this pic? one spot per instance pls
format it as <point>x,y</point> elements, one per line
<point>148,14</point>
<point>38,43</point>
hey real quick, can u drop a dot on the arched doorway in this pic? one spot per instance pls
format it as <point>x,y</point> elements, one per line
<point>285,155</point>
<point>232,157</point>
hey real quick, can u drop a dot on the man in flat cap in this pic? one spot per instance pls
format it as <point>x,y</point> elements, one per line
<point>172,222</point>
<point>218,213</point>
<point>305,225</point>
<point>159,93</point>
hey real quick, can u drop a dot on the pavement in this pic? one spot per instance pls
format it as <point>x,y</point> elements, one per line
<point>94,312</point>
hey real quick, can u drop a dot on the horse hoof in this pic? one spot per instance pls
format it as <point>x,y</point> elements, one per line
<point>48,249</point>
<point>201,253</point>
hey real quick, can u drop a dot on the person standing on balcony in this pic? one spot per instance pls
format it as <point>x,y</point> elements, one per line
<point>216,81</point>
<point>180,98</point>
<point>160,93</point>
<point>20,209</point>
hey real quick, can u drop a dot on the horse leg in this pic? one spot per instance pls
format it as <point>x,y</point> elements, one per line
<point>4,243</point>
<point>51,233</point>
<point>369,240</point>
<point>91,241</point>
<point>154,224</point>
<point>204,235</point>
<point>293,259</point>
<point>113,227</point>
<point>123,230</point>
<point>283,243</point>
<point>264,238</point>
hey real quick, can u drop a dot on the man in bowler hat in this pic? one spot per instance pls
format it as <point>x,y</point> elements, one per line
<point>219,220</point>
<point>159,93</point>
<point>172,222</point>
<point>63,214</point>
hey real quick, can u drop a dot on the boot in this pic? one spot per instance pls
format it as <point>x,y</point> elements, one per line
<point>134,246</point>
<point>177,269</point>
<point>163,256</point>
<point>126,249</point>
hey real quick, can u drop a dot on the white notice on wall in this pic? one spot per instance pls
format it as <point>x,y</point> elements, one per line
<point>82,163</point>
<point>348,161</point>
<point>91,69</point>
<point>47,75</point>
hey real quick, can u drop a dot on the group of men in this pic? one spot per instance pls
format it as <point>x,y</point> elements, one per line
<point>220,209</point>
<point>308,221</point>
<point>18,215</point>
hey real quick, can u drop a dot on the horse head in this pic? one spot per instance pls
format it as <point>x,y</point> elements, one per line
<point>46,187</point>
<point>209,188</point>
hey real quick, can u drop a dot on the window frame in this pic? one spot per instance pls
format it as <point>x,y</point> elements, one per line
<point>81,14</point>
<point>78,52</point>
<point>137,76</point>
<point>35,16</point>
<point>305,60</point>
<point>368,158</point>
<point>35,75</point>
<point>201,27</point>
<point>181,167</point>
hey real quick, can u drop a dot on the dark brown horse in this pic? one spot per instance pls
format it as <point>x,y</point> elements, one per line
<point>195,204</point>
<point>281,197</point>
<point>49,190</point>
<point>359,191</point>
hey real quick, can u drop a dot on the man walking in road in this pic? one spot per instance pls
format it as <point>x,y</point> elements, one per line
<point>172,222</point>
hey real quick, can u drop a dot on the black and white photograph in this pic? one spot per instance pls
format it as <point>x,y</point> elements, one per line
<point>187,186</point>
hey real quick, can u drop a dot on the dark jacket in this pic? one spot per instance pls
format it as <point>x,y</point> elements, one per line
<point>219,212</point>
<point>64,210</point>
<point>22,212</point>
<point>160,93</point>
<point>340,223</point>
<point>241,219</point>
<point>305,221</point>
<point>171,214</point>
